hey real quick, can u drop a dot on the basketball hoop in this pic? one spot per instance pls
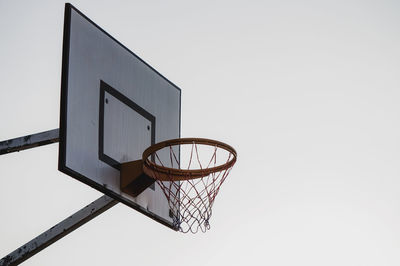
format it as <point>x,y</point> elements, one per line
<point>190,185</point>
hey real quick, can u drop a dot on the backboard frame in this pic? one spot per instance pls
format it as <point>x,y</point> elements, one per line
<point>63,116</point>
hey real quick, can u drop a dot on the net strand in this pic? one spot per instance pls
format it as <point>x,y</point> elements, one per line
<point>191,200</point>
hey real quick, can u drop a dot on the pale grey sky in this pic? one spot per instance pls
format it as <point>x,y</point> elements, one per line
<point>306,91</point>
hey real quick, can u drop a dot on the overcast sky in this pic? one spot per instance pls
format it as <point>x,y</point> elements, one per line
<point>306,91</point>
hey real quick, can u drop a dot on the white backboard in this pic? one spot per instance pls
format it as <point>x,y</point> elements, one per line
<point>113,106</point>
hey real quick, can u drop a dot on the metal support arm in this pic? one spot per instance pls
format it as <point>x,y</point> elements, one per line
<point>64,227</point>
<point>58,231</point>
<point>30,141</point>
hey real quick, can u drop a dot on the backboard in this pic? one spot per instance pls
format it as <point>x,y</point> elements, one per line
<point>113,106</point>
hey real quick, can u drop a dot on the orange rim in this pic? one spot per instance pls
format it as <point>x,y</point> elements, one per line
<point>173,174</point>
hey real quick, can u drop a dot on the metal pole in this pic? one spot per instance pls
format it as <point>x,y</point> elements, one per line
<point>58,231</point>
<point>30,141</point>
<point>64,227</point>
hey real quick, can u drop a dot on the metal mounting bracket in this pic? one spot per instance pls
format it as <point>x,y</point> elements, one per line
<point>133,180</point>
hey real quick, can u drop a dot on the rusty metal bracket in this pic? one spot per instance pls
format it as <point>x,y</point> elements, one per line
<point>64,227</point>
<point>133,180</point>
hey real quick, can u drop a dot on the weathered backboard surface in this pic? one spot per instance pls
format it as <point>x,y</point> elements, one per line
<point>113,106</point>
